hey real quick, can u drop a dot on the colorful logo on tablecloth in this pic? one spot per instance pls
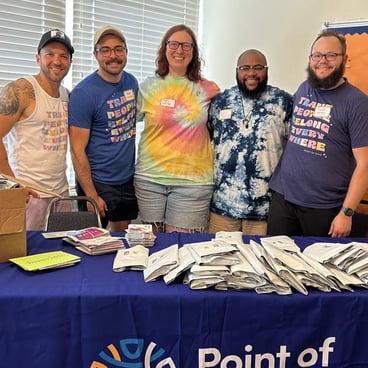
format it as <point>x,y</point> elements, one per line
<point>132,353</point>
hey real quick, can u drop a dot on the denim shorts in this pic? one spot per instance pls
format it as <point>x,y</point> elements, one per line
<point>185,207</point>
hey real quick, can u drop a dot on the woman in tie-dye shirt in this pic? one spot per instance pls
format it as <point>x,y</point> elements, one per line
<point>174,172</point>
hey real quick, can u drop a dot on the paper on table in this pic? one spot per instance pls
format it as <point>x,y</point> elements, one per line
<point>244,272</point>
<point>276,284</point>
<point>225,259</point>
<point>360,264</point>
<point>262,254</point>
<point>206,270</point>
<point>42,261</point>
<point>298,267</point>
<point>201,282</point>
<point>185,261</point>
<point>161,262</point>
<point>248,253</point>
<point>348,257</point>
<point>324,252</point>
<point>232,237</point>
<point>282,242</point>
<point>322,271</point>
<point>343,279</point>
<point>202,250</point>
<point>135,258</point>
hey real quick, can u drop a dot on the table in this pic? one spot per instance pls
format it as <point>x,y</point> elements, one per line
<point>89,316</point>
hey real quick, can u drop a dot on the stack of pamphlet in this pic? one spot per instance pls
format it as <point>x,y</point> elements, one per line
<point>94,241</point>
<point>153,266</point>
<point>275,264</point>
<point>140,234</point>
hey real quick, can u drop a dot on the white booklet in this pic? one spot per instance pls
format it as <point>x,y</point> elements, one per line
<point>201,282</point>
<point>203,252</point>
<point>244,271</point>
<point>161,262</point>
<point>232,237</point>
<point>134,258</point>
<point>185,261</point>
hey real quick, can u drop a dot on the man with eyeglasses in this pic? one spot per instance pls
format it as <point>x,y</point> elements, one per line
<point>102,128</point>
<point>250,124</point>
<point>323,174</point>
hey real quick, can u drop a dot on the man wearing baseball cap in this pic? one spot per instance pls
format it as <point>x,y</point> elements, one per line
<point>108,30</point>
<point>55,35</point>
<point>102,127</point>
<point>34,117</point>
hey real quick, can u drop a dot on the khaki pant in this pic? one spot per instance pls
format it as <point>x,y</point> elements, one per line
<point>247,227</point>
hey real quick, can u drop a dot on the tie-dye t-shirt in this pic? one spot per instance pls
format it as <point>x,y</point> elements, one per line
<point>248,139</point>
<point>175,148</point>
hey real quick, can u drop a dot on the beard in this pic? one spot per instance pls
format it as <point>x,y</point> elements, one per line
<point>254,93</point>
<point>327,82</point>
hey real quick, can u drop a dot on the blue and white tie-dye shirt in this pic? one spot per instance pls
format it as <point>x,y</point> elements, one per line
<point>248,140</point>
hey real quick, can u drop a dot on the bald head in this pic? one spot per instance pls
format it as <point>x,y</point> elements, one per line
<point>251,54</point>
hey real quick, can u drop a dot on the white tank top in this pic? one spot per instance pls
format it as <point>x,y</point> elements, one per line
<point>38,145</point>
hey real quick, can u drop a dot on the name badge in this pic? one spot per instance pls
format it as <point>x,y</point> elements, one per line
<point>65,105</point>
<point>322,112</point>
<point>225,114</point>
<point>129,95</point>
<point>167,102</point>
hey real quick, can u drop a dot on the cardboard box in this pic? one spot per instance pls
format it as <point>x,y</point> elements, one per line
<point>13,236</point>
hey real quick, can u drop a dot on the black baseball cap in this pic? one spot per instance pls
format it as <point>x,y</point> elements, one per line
<point>55,35</point>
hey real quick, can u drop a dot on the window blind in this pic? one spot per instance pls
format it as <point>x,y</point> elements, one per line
<point>143,23</point>
<point>22,22</point>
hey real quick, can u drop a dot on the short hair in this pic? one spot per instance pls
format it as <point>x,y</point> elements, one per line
<point>330,33</point>
<point>252,51</point>
<point>162,65</point>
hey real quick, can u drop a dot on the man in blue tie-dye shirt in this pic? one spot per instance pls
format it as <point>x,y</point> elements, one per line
<point>250,125</point>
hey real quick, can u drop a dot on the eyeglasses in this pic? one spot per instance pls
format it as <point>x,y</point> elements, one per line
<point>106,51</point>
<point>174,45</point>
<point>330,56</point>
<point>247,68</point>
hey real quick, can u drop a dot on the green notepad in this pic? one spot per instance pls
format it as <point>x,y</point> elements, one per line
<point>46,260</point>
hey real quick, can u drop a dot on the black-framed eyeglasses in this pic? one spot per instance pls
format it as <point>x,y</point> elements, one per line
<point>330,56</point>
<point>247,68</point>
<point>174,45</point>
<point>106,51</point>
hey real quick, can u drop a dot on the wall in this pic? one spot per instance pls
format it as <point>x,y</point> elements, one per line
<point>282,29</point>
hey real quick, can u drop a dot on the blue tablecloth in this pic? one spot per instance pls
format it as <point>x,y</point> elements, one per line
<point>89,316</point>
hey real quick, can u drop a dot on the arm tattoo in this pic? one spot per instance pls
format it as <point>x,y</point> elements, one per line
<point>11,95</point>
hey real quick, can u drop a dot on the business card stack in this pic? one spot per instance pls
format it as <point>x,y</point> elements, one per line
<point>140,234</point>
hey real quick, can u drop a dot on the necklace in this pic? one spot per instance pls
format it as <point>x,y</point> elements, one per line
<point>247,117</point>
